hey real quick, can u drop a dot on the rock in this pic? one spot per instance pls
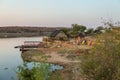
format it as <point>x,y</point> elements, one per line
<point>5,68</point>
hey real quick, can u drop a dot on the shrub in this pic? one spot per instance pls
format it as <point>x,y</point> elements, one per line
<point>103,61</point>
<point>39,71</point>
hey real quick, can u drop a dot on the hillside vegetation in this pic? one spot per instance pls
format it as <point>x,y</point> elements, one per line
<point>103,61</point>
<point>6,32</point>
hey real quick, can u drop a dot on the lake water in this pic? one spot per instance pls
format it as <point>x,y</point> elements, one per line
<point>10,57</point>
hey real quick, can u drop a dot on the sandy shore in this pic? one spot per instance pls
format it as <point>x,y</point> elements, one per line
<point>61,56</point>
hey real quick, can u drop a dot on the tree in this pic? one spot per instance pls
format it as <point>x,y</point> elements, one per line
<point>66,31</point>
<point>90,31</point>
<point>109,23</point>
<point>100,28</point>
<point>77,27</point>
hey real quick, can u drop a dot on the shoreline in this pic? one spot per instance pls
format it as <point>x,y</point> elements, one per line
<point>69,59</point>
<point>60,56</point>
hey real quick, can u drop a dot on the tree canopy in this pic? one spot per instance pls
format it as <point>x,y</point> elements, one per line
<point>77,27</point>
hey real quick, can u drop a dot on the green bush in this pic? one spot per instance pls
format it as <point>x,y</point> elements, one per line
<point>39,71</point>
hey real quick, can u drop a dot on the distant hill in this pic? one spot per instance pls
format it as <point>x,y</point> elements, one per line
<point>17,29</point>
<point>23,31</point>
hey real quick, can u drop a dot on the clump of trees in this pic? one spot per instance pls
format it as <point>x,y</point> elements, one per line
<point>103,61</point>
<point>76,28</point>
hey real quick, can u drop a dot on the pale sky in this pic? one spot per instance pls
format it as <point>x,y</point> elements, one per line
<point>58,13</point>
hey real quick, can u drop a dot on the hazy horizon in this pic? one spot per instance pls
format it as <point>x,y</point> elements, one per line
<point>58,13</point>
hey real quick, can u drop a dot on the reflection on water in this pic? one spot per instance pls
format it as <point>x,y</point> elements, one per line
<point>10,59</point>
<point>36,71</point>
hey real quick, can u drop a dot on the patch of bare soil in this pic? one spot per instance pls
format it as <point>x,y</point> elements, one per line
<point>61,56</point>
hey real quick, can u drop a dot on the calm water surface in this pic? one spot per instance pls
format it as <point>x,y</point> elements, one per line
<point>10,57</point>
